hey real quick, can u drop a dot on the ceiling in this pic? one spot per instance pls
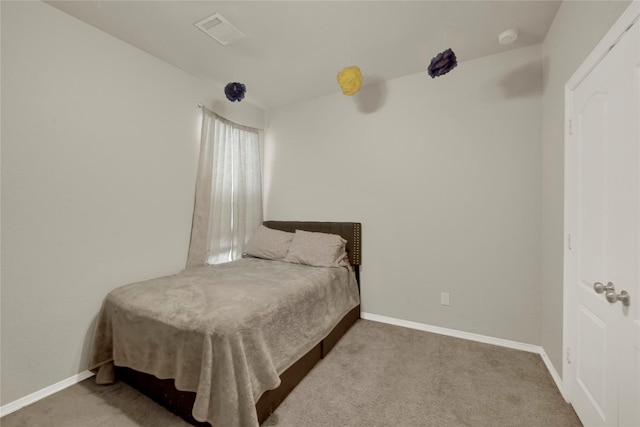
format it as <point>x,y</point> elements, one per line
<point>293,50</point>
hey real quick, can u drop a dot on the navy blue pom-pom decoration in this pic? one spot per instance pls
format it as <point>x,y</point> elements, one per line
<point>235,91</point>
<point>442,63</point>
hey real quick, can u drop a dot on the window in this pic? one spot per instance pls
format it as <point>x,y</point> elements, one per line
<point>228,203</point>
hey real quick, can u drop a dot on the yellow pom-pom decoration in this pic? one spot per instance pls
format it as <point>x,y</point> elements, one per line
<point>350,79</point>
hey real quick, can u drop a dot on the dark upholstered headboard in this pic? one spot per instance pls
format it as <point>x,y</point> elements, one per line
<point>350,231</point>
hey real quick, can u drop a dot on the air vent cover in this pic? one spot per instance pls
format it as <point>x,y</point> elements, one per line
<point>218,28</point>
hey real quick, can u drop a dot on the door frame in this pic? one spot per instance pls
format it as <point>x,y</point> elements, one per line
<point>626,20</point>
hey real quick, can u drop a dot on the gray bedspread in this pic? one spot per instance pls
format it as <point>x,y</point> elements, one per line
<point>225,332</point>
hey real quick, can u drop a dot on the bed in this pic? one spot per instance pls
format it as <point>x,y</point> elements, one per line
<point>224,345</point>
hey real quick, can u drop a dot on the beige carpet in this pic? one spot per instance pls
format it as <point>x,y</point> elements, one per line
<point>377,375</point>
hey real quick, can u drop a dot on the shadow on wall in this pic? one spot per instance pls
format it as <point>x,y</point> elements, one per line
<point>87,344</point>
<point>523,82</point>
<point>372,96</point>
<point>545,71</point>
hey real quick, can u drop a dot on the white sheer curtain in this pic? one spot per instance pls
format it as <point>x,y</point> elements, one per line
<point>228,205</point>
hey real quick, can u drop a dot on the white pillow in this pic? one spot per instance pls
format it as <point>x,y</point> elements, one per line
<point>317,249</point>
<point>268,243</point>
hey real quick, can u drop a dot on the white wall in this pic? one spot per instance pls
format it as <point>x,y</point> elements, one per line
<point>576,30</point>
<point>99,152</point>
<point>444,174</point>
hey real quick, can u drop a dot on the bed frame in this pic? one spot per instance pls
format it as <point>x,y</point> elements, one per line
<point>181,402</point>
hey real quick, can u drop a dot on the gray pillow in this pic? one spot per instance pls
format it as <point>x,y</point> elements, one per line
<point>317,249</point>
<point>268,243</point>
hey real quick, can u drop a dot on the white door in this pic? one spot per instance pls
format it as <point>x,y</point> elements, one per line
<point>602,259</point>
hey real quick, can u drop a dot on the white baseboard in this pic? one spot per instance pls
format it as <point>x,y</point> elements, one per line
<point>554,374</point>
<point>472,337</point>
<point>41,394</point>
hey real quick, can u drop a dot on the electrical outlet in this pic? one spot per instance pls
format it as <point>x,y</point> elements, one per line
<point>444,298</point>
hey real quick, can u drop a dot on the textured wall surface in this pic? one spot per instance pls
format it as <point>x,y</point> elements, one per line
<point>444,175</point>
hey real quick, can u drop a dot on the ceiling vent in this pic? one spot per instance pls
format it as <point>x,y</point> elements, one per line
<point>218,28</point>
